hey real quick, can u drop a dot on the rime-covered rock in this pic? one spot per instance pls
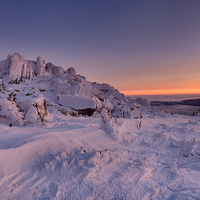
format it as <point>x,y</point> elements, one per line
<point>105,115</point>
<point>53,69</point>
<point>109,91</point>
<point>10,110</point>
<point>70,92</point>
<point>34,110</point>
<point>16,67</point>
<point>39,70</point>
<point>19,68</point>
<point>72,71</point>
<point>143,102</point>
<point>76,102</point>
<point>40,61</point>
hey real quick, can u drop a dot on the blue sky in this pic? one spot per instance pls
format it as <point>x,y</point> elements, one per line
<point>140,46</point>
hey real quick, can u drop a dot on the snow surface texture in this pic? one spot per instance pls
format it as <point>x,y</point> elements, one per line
<point>126,150</point>
<point>83,158</point>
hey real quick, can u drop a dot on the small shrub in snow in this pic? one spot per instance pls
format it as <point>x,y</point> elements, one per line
<point>41,108</point>
<point>110,125</point>
<point>140,124</point>
<point>106,115</point>
<point>73,114</point>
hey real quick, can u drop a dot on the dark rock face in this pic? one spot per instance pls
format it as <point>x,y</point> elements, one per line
<point>88,111</point>
<point>191,102</point>
<point>41,107</point>
<point>167,103</point>
<point>1,85</point>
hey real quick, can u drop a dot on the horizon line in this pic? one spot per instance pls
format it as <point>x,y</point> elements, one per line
<point>162,92</point>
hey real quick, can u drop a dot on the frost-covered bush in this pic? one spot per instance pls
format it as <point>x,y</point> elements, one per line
<point>110,125</point>
<point>36,112</point>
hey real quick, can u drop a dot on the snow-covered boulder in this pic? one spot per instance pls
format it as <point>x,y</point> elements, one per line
<point>106,115</point>
<point>36,112</point>
<point>40,61</point>
<point>53,69</point>
<point>39,70</point>
<point>10,110</point>
<point>75,90</point>
<point>71,70</point>
<point>143,102</point>
<point>77,102</point>
<point>135,114</point>
<point>19,68</point>
<point>109,91</point>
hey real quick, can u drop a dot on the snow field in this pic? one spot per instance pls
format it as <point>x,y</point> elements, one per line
<point>77,158</point>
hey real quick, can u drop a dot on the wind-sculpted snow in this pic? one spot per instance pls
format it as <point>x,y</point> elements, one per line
<point>80,158</point>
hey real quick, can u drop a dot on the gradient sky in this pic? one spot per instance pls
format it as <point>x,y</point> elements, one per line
<point>137,46</point>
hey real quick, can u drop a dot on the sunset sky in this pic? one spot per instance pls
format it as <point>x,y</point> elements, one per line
<point>137,46</point>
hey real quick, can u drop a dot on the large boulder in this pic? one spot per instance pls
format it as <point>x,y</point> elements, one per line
<point>10,110</point>
<point>40,68</point>
<point>76,102</point>
<point>19,68</point>
<point>72,71</point>
<point>35,110</point>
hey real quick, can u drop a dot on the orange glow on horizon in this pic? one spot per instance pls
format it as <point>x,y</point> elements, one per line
<point>162,92</point>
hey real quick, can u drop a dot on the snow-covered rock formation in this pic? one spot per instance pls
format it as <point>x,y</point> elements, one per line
<point>36,87</point>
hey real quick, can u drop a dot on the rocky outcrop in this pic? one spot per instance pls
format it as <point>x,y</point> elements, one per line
<point>54,70</point>
<point>65,90</point>
<point>71,71</point>
<point>191,102</point>
<point>19,68</point>
<point>40,68</point>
